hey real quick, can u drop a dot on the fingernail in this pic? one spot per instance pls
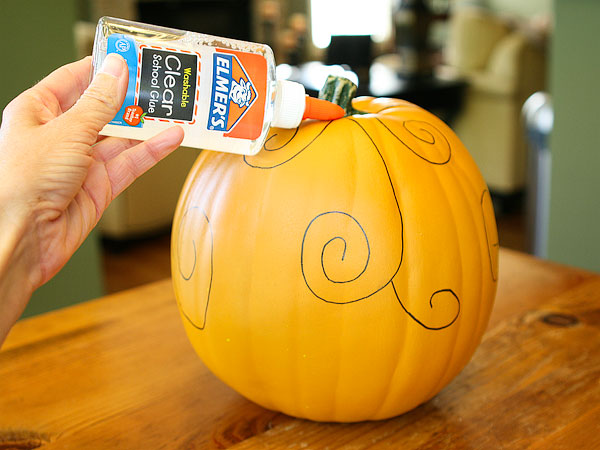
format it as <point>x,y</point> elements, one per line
<point>113,65</point>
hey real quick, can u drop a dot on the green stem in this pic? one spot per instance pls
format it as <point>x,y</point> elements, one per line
<point>341,91</point>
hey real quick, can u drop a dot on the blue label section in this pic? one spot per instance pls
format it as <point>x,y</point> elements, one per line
<point>125,46</point>
<point>221,85</point>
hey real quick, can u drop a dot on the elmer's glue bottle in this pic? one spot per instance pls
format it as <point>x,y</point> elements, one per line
<point>222,92</point>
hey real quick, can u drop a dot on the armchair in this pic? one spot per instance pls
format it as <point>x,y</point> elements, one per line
<point>503,65</point>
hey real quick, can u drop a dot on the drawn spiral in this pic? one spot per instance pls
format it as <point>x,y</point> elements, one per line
<point>341,264</point>
<point>424,139</point>
<point>338,261</point>
<point>195,249</point>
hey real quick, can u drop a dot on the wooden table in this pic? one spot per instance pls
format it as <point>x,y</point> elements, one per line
<point>119,373</point>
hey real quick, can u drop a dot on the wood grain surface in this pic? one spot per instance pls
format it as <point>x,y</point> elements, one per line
<point>118,372</point>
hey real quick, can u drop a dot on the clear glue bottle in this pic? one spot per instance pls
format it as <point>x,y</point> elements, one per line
<point>222,92</point>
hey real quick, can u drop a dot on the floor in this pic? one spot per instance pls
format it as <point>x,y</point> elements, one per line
<point>133,263</point>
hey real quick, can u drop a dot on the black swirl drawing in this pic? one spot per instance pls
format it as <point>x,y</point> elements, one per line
<point>437,294</point>
<point>419,130</point>
<point>436,297</point>
<point>273,136</point>
<point>487,211</point>
<point>360,231</point>
<point>421,133</point>
<point>345,248</point>
<point>248,160</point>
<point>187,274</point>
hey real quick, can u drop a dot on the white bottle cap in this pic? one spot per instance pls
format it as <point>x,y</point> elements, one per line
<point>290,101</point>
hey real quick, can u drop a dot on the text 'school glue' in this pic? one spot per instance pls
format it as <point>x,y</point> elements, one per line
<point>222,92</point>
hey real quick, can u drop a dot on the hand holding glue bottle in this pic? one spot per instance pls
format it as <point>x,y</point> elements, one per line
<point>222,92</point>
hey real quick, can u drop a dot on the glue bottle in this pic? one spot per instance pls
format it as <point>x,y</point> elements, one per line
<point>222,92</point>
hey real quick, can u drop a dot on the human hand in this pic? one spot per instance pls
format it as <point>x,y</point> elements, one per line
<point>57,176</point>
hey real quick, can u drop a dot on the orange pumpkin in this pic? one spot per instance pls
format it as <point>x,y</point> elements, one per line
<point>346,272</point>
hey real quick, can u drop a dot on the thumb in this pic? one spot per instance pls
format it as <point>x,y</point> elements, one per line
<point>101,100</point>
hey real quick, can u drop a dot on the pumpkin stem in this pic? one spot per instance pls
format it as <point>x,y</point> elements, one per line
<point>341,91</point>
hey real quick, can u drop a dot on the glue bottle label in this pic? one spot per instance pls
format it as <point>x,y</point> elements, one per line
<point>165,85</point>
<point>238,94</point>
<point>162,85</point>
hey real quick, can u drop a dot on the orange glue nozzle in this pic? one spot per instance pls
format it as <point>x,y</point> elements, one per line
<point>316,108</point>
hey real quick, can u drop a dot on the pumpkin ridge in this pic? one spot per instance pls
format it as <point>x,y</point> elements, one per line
<point>387,171</point>
<point>474,219</point>
<point>469,189</point>
<point>397,105</point>
<point>432,142</point>
<point>451,362</point>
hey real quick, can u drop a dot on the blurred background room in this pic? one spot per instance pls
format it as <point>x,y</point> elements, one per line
<point>516,80</point>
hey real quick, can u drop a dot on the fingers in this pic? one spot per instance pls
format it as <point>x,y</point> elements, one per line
<point>109,147</point>
<point>124,168</point>
<point>99,102</point>
<point>68,82</point>
<point>50,97</point>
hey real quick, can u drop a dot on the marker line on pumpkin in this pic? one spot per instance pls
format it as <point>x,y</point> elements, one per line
<point>344,256</point>
<point>279,148</point>
<point>257,157</point>
<point>302,265</point>
<point>188,277</point>
<point>412,316</point>
<point>487,236</point>
<point>433,142</point>
<point>387,171</point>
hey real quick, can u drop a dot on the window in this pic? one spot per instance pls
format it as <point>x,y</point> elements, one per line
<point>350,17</point>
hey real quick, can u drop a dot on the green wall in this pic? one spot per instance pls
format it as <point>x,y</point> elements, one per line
<point>574,228</point>
<point>81,279</point>
<point>36,37</point>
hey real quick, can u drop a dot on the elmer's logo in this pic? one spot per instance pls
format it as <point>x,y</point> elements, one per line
<point>237,93</point>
